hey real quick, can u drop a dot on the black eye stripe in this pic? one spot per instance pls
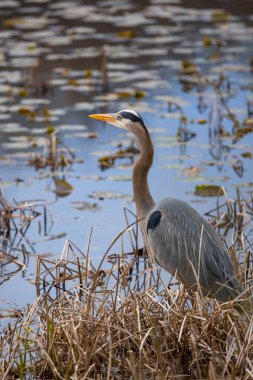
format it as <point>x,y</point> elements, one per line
<point>131,116</point>
<point>134,118</point>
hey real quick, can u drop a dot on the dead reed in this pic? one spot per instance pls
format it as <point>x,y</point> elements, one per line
<point>123,321</point>
<point>56,154</point>
<point>15,220</point>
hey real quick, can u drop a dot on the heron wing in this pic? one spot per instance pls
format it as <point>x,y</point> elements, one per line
<point>182,240</point>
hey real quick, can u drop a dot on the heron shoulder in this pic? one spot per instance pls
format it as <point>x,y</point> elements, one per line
<point>178,216</point>
<point>153,220</point>
<point>162,208</point>
<point>181,228</point>
<point>177,209</point>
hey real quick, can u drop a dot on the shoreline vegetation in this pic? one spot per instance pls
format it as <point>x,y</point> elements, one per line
<point>122,320</point>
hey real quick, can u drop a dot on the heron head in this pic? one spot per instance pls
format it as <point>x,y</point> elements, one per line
<point>125,119</point>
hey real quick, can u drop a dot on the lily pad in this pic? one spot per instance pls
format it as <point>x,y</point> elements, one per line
<point>119,178</point>
<point>207,190</point>
<point>84,135</point>
<point>101,195</point>
<point>62,187</point>
<point>192,171</point>
<point>86,206</point>
<point>246,154</point>
<point>127,34</point>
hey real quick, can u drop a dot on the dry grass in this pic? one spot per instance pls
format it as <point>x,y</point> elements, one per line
<point>119,320</point>
<point>55,155</point>
<point>15,220</point>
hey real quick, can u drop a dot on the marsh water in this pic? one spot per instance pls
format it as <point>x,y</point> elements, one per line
<point>185,66</point>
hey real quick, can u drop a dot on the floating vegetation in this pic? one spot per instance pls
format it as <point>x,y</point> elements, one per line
<point>192,171</point>
<point>138,94</point>
<point>127,34</point>
<point>62,187</point>
<point>189,68</point>
<point>247,155</point>
<point>101,195</point>
<point>85,206</point>
<point>207,190</point>
<point>108,161</point>
<point>56,154</point>
<point>220,15</point>
<point>246,128</point>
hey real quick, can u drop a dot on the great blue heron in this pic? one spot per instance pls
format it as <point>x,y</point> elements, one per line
<point>181,240</point>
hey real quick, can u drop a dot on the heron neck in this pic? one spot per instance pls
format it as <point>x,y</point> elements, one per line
<point>142,197</point>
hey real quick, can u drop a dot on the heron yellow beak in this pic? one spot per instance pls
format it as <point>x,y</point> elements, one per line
<point>108,118</point>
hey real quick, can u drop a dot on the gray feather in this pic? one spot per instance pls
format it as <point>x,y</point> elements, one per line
<point>183,242</point>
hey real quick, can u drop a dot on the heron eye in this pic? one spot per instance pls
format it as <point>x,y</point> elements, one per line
<point>119,117</point>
